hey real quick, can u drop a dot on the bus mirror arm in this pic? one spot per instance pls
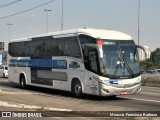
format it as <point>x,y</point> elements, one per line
<point>142,48</point>
<point>99,49</point>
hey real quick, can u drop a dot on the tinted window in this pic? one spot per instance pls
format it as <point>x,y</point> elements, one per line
<point>72,47</point>
<point>86,39</point>
<point>93,61</point>
<point>15,49</point>
<point>46,47</point>
<point>37,48</point>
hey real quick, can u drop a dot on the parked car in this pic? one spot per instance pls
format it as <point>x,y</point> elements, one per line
<point>147,72</point>
<point>4,71</point>
<point>158,70</point>
<point>150,72</point>
<point>1,70</point>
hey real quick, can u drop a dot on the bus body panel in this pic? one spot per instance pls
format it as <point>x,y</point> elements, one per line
<point>91,86</point>
<point>58,72</point>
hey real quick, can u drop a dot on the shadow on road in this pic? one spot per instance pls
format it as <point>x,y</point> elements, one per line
<point>48,91</point>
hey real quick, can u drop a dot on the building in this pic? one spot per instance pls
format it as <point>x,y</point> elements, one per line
<point>142,54</point>
<point>4,57</point>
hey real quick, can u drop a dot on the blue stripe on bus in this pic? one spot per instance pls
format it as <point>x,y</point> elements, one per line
<point>57,64</point>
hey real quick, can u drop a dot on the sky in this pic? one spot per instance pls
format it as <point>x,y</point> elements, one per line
<point>119,15</point>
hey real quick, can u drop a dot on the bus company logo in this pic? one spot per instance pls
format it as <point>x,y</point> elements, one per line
<point>6,114</point>
<point>124,70</point>
<point>124,86</point>
<point>74,65</point>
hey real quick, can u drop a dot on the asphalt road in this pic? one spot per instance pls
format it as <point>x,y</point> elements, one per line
<point>147,100</point>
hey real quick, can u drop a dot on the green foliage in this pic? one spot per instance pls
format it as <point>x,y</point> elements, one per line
<point>153,62</point>
<point>155,56</point>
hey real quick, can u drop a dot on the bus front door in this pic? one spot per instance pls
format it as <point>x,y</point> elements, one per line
<point>92,66</point>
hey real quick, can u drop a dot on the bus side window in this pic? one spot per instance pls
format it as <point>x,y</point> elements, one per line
<point>72,47</point>
<point>93,61</point>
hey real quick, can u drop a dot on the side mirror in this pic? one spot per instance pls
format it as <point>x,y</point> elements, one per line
<point>142,48</point>
<point>98,48</point>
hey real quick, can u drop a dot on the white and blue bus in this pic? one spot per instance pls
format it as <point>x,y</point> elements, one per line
<point>90,61</point>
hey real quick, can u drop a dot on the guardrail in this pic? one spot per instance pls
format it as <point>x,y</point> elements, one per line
<point>152,80</point>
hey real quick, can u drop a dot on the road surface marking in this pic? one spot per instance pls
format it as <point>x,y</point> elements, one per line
<point>25,106</point>
<point>15,92</point>
<point>149,93</point>
<point>142,99</point>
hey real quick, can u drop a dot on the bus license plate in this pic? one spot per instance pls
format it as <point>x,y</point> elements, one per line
<point>124,93</point>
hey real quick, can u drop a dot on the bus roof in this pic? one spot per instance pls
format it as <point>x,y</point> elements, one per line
<point>96,33</point>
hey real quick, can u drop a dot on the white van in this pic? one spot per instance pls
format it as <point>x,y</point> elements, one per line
<point>4,71</point>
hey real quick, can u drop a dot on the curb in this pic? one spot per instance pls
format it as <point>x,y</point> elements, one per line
<point>31,107</point>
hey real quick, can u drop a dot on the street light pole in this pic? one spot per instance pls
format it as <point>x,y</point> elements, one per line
<point>46,10</point>
<point>9,26</point>
<point>139,5</point>
<point>62,17</point>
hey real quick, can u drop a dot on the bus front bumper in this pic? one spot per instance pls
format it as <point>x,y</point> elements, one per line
<point>114,90</point>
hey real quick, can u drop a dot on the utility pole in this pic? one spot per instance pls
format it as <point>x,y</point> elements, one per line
<point>9,29</point>
<point>62,17</point>
<point>139,5</point>
<point>46,10</point>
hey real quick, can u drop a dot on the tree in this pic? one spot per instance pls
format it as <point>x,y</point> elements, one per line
<point>145,65</point>
<point>153,63</point>
<point>155,56</point>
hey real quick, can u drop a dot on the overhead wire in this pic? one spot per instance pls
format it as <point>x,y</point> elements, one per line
<point>5,5</point>
<point>27,10</point>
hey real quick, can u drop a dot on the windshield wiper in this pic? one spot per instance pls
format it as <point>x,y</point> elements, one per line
<point>130,70</point>
<point>119,63</point>
<point>128,67</point>
<point>123,64</point>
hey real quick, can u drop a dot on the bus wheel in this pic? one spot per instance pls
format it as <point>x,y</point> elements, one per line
<point>22,81</point>
<point>77,89</point>
<point>113,97</point>
<point>4,75</point>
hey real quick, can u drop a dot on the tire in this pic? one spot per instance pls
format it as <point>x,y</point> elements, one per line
<point>112,97</point>
<point>23,82</point>
<point>77,89</point>
<point>4,75</point>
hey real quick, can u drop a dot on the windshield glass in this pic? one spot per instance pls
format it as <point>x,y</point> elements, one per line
<point>120,59</point>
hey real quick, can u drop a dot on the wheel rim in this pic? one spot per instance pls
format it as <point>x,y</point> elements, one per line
<point>77,89</point>
<point>22,83</point>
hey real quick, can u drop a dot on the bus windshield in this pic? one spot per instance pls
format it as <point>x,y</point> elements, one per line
<point>120,59</point>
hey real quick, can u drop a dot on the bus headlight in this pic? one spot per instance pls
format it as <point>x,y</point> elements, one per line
<point>138,81</point>
<point>106,82</point>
